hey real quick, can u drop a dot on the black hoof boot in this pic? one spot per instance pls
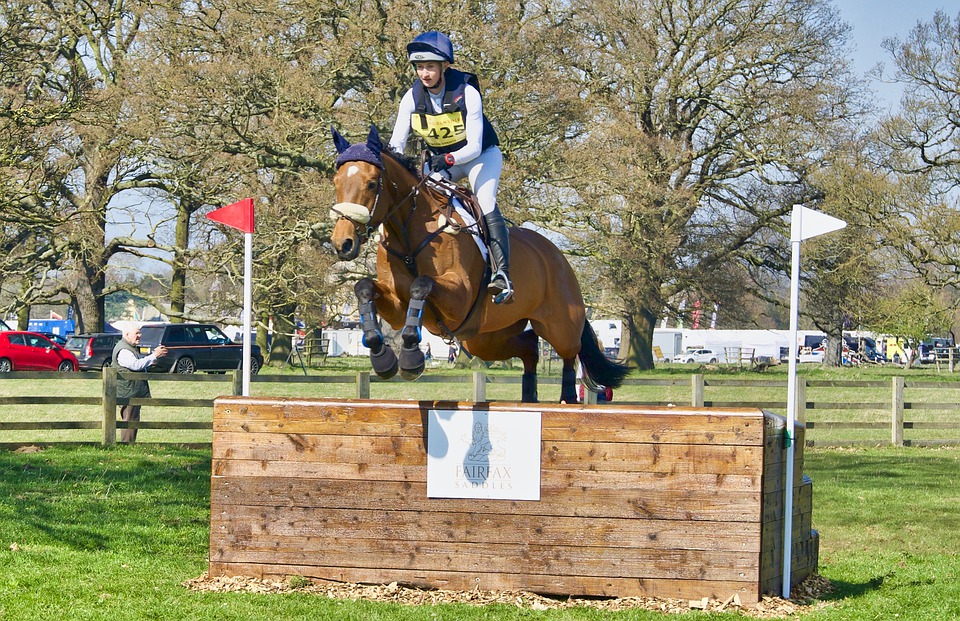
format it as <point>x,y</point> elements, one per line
<point>568,387</point>
<point>411,362</point>
<point>384,362</point>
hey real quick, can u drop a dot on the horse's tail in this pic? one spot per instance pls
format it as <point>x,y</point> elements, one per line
<point>598,367</point>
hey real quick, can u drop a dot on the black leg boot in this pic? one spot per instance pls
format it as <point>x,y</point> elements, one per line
<point>499,242</point>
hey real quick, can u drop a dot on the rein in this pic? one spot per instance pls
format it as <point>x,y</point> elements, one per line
<point>359,215</point>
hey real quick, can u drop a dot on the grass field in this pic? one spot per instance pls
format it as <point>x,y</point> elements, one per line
<point>89,533</point>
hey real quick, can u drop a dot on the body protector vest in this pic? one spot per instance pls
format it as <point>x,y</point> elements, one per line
<point>446,131</point>
<point>129,389</point>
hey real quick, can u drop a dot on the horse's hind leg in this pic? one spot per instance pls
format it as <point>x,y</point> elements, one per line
<point>411,357</point>
<point>568,381</point>
<point>382,357</point>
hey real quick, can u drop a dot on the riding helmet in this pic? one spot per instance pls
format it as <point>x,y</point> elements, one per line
<point>429,46</point>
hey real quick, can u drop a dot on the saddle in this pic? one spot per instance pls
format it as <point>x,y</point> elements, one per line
<point>447,190</point>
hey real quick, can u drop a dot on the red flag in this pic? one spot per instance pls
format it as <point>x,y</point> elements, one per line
<point>238,215</point>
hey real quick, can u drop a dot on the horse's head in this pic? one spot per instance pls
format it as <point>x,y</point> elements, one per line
<point>359,184</point>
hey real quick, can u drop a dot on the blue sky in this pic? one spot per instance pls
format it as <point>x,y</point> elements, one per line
<point>875,20</point>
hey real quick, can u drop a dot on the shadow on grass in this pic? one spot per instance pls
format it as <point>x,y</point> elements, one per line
<point>126,498</point>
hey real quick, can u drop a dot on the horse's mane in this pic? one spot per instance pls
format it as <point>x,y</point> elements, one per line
<point>408,162</point>
<point>412,164</point>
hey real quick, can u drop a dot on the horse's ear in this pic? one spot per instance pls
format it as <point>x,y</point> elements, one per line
<point>339,141</point>
<point>373,140</point>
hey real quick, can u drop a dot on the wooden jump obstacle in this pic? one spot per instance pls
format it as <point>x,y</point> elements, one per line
<point>634,501</point>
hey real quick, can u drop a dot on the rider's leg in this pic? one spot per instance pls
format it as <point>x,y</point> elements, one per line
<point>484,174</point>
<point>499,255</point>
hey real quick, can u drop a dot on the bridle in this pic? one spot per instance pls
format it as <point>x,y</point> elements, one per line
<point>365,223</point>
<point>359,215</point>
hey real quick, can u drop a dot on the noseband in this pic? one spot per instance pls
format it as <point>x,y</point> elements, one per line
<point>358,214</point>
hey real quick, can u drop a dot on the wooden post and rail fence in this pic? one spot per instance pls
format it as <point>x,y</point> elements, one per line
<point>359,386</point>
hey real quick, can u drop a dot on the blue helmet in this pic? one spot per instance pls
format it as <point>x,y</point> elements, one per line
<point>429,46</point>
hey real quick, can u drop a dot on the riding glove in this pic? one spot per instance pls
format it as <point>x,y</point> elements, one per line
<point>441,162</point>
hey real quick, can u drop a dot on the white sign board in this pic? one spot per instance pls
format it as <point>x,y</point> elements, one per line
<point>478,454</point>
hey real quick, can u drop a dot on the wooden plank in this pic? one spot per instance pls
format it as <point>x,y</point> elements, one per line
<point>449,526</point>
<point>488,557</point>
<point>455,580</point>
<point>575,423</point>
<point>719,460</point>
<point>37,426</point>
<point>372,470</point>
<point>671,503</point>
<point>55,400</point>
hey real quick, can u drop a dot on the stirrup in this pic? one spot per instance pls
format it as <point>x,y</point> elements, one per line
<point>501,282</point>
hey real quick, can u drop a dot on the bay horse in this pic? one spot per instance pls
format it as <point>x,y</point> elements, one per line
<point>431,273</point>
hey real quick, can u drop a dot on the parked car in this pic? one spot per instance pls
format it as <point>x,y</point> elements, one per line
<point>195,347</point>
<point>94,351</point>
<point>930,346</point>
<point>59,339</point>
<point>29,351</point>
<point>697,355</point>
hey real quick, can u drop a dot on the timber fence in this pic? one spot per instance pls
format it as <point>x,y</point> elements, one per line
<point>863,412</point>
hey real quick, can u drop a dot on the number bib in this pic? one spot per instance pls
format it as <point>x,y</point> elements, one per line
<point>440,130</point>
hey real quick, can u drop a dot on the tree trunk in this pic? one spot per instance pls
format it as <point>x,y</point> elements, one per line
<point>639,325</point>
<point>833,349</point>
<point>90,300</point>
<point>283,327</point>
<point>178,279</point>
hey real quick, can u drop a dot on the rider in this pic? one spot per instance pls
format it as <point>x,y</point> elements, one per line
<point>445,109</point>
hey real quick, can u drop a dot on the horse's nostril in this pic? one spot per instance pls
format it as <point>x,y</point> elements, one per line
<point>347,246</point>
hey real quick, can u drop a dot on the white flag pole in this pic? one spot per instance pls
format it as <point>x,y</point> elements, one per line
<point>817,223</point>
<point>247,308</point>
<point>795,227</point>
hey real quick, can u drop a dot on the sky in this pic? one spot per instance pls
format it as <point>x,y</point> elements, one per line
<point>873,21</point>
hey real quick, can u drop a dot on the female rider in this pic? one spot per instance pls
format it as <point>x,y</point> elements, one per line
<point>444,108</point>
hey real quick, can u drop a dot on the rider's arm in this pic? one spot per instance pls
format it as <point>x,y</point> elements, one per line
<point>401,129</point>
<point>474,122</point>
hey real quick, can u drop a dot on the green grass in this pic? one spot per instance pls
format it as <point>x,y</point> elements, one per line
<point>89,533</point>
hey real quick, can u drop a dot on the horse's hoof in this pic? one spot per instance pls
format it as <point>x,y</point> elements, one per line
<point>384,362</point>
<point>412,363</point>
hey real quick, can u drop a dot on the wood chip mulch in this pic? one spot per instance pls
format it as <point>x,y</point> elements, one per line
<point>804,597</point>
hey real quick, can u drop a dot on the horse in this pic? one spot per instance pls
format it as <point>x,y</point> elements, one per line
<point>432,273</point>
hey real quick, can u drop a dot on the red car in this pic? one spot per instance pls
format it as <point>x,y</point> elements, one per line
<point>29,351</point>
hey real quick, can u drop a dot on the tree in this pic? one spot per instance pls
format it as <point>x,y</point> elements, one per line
<point>920,146</point>
<point>696,113</point>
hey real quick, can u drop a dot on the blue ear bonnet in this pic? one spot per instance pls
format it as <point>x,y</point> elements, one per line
<point>369,152</point>
<point>359,153</point>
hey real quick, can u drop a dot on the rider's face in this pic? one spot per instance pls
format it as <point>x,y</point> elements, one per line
<point>431,73</point>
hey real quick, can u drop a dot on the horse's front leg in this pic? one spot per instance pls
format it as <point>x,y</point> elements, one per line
<point>382,357</point>
<point>411,357</point>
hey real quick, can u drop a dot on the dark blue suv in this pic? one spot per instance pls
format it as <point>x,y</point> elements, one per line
<point>195,347</point>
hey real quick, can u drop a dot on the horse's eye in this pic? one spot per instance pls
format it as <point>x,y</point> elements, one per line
<point>372,185</point>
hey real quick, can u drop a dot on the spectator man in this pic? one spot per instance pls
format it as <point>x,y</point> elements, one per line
<point>126,356</point>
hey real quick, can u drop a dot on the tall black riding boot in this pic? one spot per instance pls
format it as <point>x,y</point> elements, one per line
<point>499,242</point>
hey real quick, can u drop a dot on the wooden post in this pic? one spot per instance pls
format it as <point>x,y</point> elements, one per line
<point>697,385</point>
<point>479,386</point>
<point>237,387</point>
<point>897,422</point>
<point>363,385</point>
<point>109,425</point>
<point>801,400</point>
